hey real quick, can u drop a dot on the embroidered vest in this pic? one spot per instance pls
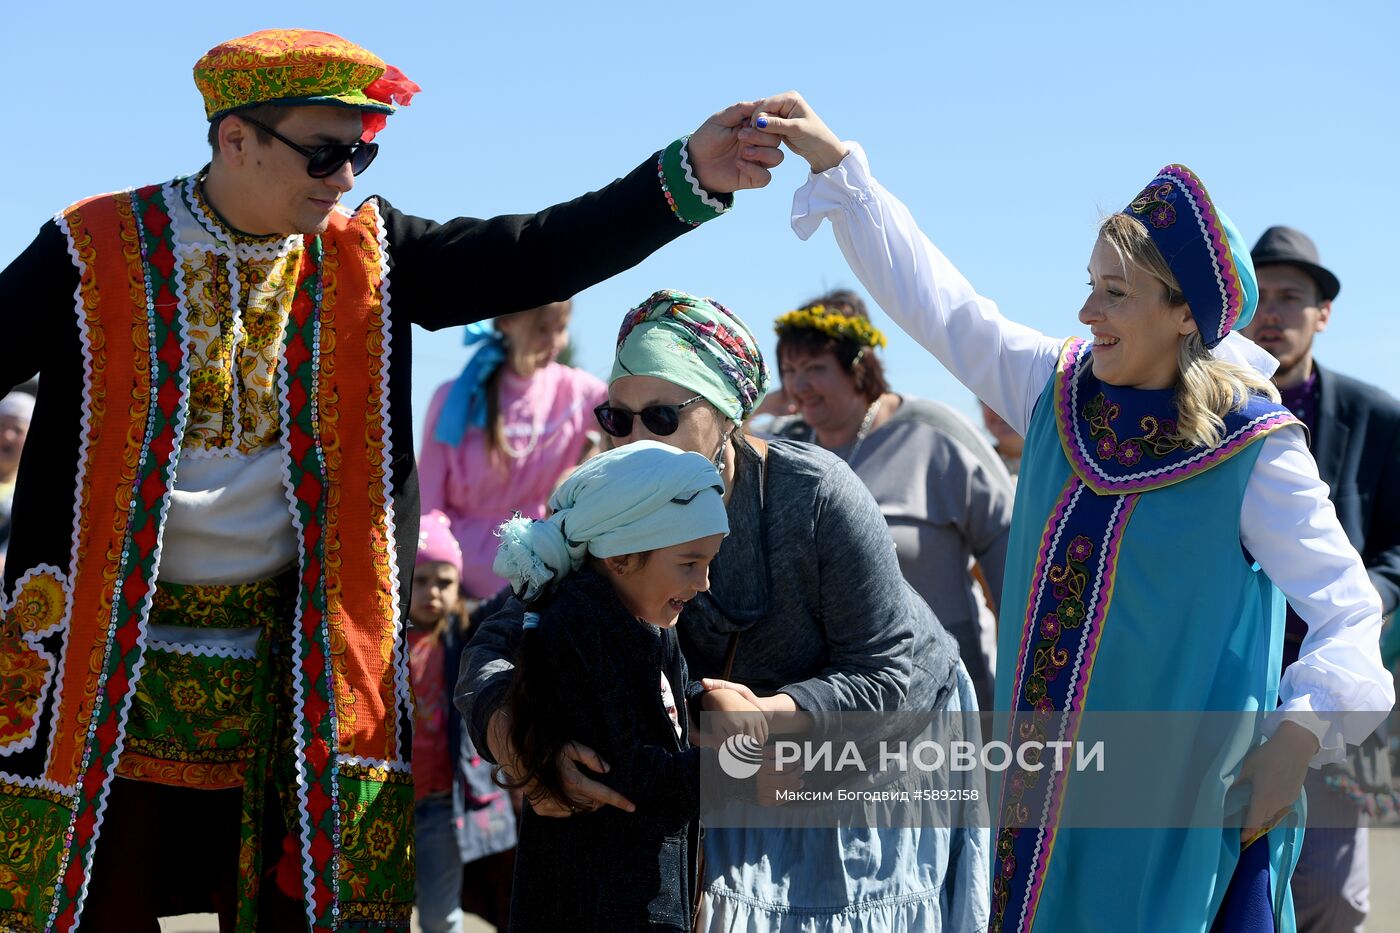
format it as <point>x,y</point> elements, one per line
<point>157,387</point>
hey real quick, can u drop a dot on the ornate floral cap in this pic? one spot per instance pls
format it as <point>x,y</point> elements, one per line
<point>1204,250</point>
<point>300,66</point>
<point>833,323</point>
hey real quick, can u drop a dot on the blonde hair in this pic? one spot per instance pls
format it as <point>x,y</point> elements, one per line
<point>1207,388</point>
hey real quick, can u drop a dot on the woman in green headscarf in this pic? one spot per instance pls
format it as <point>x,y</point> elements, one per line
<point>807,610</point>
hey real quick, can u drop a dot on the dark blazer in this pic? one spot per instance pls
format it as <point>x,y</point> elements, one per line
<point>608,870</point>
<point>1357,448</point>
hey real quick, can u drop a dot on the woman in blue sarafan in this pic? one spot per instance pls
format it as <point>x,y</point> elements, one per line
<point>1165,500</point>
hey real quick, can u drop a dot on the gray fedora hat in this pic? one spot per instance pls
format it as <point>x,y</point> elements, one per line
<point>1287,245</point>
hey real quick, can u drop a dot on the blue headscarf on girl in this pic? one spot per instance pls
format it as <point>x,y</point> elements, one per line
<point>638,497</point>
<point>466,401</point>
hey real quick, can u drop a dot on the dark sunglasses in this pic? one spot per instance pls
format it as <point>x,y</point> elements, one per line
<point>326,160</point>
<point>661,420</point>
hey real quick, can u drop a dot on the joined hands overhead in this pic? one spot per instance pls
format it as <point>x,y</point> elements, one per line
<point>789,117</point>
<point>737,148</point>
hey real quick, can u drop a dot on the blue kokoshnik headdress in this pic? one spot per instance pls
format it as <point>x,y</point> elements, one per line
<point>1203,249</point>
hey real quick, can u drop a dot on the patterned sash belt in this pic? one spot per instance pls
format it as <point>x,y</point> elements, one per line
<point>205,706</point>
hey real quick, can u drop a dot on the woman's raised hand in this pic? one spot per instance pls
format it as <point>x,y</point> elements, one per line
<point>790,117</point>
<point>727,156</point>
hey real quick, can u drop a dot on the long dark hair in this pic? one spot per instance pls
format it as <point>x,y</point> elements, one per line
<point>539,729</point>
<point>538,733</point>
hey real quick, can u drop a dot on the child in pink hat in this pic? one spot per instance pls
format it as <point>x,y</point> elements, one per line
<point>464,825</point>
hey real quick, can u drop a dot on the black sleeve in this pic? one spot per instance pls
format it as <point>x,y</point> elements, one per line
<point>468,269</point>
<point>1382,548</point>
<point>488,666</point>
<point>603,711</point>
<point>36,298</point>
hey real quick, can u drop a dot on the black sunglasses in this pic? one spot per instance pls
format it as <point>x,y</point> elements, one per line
<point>326,160</point>
<point>661,420</point>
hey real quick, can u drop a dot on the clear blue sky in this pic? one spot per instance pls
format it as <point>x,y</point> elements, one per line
<point>1009,128</point>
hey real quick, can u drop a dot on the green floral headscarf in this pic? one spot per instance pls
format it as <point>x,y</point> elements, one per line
<point>696,343</point>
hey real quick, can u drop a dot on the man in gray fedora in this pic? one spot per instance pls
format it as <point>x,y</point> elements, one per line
<point>1354,433</point>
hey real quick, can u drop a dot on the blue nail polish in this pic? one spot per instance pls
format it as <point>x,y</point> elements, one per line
<point>762,122</point>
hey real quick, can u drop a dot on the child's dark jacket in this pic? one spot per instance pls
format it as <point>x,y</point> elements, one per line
<point>611,870</point>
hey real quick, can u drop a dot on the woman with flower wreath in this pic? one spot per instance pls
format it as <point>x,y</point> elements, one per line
<point>504,433</point>
<point>942,489</point>
<point>1166,500</point>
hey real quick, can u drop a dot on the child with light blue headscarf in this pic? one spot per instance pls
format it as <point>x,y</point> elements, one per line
<point>628,542</point>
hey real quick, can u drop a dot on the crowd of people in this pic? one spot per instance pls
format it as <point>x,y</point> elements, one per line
<point>265,659</point>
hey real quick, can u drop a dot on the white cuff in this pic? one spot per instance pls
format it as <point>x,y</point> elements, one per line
<point>829,191</point>
<point>1331,746</point>
<point>1336,722</point>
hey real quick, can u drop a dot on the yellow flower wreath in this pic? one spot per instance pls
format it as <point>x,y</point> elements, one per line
<point>833,324</point>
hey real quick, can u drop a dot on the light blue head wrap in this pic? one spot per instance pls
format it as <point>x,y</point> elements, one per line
<point>1244,264</point>
<point>629,500</point>
<point>466,401</point>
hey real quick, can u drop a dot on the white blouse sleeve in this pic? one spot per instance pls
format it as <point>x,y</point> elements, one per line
<point>1006,364</point>
<point>1337,688</point>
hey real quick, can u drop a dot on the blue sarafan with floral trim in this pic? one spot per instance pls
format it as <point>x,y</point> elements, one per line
<point>1126,589</point>
<point>1204,250</point>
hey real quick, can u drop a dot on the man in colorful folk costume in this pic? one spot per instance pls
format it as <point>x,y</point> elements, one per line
<point>216,643</point>
<point>1165,500</point>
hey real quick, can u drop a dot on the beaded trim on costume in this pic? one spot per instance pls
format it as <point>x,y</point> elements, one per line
<point>691,203</point>
<point>304,466</point>
<point>403,684</point>
<point>353,824</point>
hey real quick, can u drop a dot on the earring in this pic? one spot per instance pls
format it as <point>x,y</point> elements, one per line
<point>718,459</point>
